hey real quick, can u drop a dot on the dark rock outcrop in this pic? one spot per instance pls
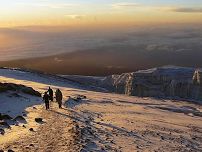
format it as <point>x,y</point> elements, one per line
<point>4,124</point>
<point>5,117</point>
<point>20,119</point>
<point>2,132</point>
<point>39,120</point>
<point>31,129</point>
<point>18,87</point>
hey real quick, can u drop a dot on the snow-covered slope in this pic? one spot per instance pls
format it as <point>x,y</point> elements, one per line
<point>97,121</point>
<point>49,79</point>
<point>36,76</point>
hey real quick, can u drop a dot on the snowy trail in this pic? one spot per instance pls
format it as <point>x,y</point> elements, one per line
<point>58,133</point>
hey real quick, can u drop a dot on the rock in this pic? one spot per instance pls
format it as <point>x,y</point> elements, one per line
<point>5,117</point>
<point>1,150</point>
<point>2,88</point>
<point>77,126</point>
<point>84,97</point>
<point>197,77</point>
<point>79,97</point>
<point>39,120</point>
<point>30,91</point>
<point>19,118</point>
<point>31,145</point>
<point>10,150</point>
<point>16,87</point>
<point>75,99</point>
<point>24,114</point>
<point>15,95</point>
<point>197,87</point>
<point>31,129</point>
<point>23,126</point>
<point>83,150</point>
<point>4,124</point>
<point>2,132</point>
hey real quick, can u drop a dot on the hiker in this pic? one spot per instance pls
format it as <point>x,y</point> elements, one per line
<point>46,100</point>
<point>50,92</point>
<point>58,96</point>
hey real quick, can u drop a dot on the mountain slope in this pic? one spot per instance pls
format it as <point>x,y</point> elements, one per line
<point>102,121</point>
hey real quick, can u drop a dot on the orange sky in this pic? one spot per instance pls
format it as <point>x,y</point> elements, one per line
<point>61,13</point>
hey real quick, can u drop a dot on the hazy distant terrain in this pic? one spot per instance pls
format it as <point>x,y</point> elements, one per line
<point>101,52</point>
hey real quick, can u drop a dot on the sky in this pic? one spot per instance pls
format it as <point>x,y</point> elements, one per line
<point>126,34</point>
<point>98,12</point>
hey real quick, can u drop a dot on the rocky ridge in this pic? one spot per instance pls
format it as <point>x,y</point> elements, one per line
<point>167,81</point>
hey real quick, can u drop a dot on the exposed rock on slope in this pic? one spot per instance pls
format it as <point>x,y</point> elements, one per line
<point>197,83</point>
<point>197,78</point>
<point>16,87</point>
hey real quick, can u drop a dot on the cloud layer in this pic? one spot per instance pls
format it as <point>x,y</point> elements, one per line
<point>124,5</point>
<point>187,10</point>
<point>94,52</point>
<point>75,16</point>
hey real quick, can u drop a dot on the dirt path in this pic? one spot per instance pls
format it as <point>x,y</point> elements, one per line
<point>58,133</point>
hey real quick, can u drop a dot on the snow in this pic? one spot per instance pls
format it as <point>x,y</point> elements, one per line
<point>36,77</point>
<point>108,82</point>
<point>86,78</point>
<point>168,71</point>
<point>101,122</point>
<point>88,81</point>
<point>14,103</point>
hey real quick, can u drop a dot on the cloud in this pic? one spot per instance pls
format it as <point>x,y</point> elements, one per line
<point>157,47</point>
<point>48,5</point>
<point>58,5</point>
<point>186,10</point>
<point>57,59</point>
<point>162,8</point>
<point>75,16</point>
<point>115,67</point>
<point>124,5</point>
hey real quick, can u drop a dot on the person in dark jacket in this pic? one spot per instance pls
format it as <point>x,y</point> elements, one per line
<point>46,100</point>
<point>58,96</point>
<point>50,92</point>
